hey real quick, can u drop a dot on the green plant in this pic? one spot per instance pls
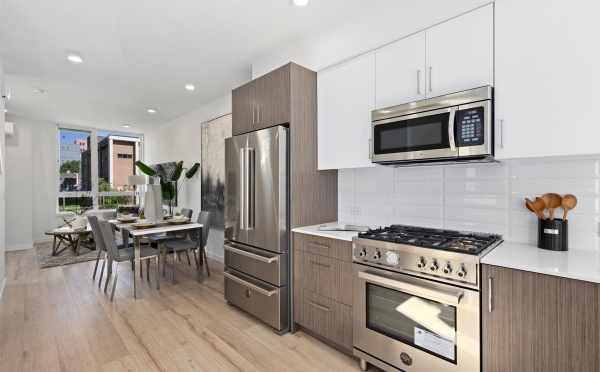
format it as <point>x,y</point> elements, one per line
<point>169,180</point>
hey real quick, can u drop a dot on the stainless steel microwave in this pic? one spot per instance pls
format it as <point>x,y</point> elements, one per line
<point>453,127</point>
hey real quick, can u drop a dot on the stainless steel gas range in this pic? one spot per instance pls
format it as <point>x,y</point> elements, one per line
<point>416,298</point>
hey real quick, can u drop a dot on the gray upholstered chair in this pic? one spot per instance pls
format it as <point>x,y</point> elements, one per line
<point>117,256</point>
<point>101,246</point>
<point>193,242</point>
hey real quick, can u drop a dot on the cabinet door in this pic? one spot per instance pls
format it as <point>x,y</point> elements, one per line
<point>460,53</point>
<point>547,78</point>
<point>537,323</point>
<point>272,96</point>
<point>243,115</point>
<point>400,72</point>
<point>346,97</point>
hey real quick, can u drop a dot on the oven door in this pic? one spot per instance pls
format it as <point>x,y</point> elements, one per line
<point>422,136</point>
<point>415,324</point>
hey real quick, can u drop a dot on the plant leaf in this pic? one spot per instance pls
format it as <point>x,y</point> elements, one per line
<point>145,169</point>
<point>192,171</point>
<point>177,172</point>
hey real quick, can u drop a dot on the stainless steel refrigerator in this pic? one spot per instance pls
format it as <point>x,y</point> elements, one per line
<point>257,225</point>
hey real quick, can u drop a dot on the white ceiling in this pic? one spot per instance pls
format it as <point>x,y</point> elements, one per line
<point>140,54</point>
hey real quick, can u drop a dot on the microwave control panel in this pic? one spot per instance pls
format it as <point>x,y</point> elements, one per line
<point>469,125</point>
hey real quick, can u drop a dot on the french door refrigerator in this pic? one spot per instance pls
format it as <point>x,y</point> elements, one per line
<point>257,225</point>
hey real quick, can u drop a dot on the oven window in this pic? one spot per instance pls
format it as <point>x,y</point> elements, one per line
<point>425,133</point>
<point>421,323</point>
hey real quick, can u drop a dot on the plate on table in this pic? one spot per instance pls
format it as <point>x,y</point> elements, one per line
<point>127,218</point>
<point>178,220</point>
<point>143,224</point>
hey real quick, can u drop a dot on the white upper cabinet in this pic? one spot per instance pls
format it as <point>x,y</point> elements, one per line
<point>400,72</point>
<point>346,98</point>
<point>460,53</point>
<point>547,78</point>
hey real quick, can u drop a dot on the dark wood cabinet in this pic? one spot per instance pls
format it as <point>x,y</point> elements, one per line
<point>323,288</point>
<point>263,102</point>
<point>538,323</point>
<point>242,109</point>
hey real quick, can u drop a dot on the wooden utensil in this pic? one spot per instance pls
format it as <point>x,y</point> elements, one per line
<point>569,202</point>
<point>533,208</point>
<point>540,205</point>
<point>552,202</point>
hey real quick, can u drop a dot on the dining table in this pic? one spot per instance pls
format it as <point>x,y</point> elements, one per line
<point>129,229</point>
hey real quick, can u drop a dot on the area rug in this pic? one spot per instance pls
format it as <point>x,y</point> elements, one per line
<point>67,257</point>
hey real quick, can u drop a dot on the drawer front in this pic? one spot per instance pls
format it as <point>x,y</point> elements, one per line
<point>327,318</point>
<point>266,302</point>
<point>327,277</point>
<point>334,248</point>
<point>258,263</point>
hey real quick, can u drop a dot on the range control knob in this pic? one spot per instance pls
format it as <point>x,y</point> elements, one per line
<point>377,255</point>
<point>362,253</point>
<point>462,272</point>
<point>448,268</point>
<point>434,266</point>
<point>421,262</point>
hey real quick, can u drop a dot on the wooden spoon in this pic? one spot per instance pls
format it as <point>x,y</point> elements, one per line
<point>552,201</point>
<point>531,206</point>
<point>540,205</point>
<point>569,202</point>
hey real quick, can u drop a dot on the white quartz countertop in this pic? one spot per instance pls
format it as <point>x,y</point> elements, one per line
<point>314,230</point>
<point>572,264</point>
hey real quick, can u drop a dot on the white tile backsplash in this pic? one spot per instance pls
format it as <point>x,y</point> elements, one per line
<point>477,197</point>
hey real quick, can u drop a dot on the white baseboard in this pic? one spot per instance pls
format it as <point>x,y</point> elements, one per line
<point>19,247</point>
<point>2,284</point>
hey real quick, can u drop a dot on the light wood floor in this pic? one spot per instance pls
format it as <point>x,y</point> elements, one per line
<point>58,320</point>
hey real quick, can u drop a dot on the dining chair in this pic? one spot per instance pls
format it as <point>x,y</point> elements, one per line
<point>101,247</point>
<point>117,256</point>
<point>192,243</point>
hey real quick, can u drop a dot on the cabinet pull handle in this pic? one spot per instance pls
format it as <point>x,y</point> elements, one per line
<point>320,264</point>
<point>430,74</point>
<point>257,114</point>
<point>318,245</point>
<point>501,132</point>
<point>419,82</point>
<point>490,288</point>
<point>319,306</point>
<point>253,114</point>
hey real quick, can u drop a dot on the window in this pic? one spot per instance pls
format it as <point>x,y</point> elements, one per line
<point>94,167</point>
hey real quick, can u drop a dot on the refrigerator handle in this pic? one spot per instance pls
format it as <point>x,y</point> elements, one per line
<point>242,193</point>
<point>250,183</point>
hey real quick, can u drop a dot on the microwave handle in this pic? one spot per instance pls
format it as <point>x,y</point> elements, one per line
<point>451,129</point>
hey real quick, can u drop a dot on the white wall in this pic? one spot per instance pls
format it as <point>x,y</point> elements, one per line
<point>2,189</point>
<point>485,197</point>
<point>381,23</point>
<point>30,182</point>
<point>180,139</point>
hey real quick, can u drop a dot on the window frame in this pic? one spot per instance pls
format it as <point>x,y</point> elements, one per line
<point>94,193</point>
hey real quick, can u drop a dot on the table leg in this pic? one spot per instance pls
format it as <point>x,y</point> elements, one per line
<point>54,246</point>
<point>137,264</point>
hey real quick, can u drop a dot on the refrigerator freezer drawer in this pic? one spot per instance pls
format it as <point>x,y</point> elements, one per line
<point>267,266</point>
<point>266,302</point>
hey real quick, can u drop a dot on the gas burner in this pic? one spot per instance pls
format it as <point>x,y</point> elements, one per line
<point>448,240</point>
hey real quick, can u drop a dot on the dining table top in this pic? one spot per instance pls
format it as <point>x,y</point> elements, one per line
<point>160,229</point>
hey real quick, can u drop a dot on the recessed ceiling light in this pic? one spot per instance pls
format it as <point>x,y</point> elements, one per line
<point>151,111</point>
<point>74,57</point>
<point>300,2</point>
<point>126,126</point>
<point>190,87</point>
<point>39,90</point>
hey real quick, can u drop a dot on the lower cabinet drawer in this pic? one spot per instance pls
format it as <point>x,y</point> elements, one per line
<point>327,318</point>
<point>266,302</point>
<point>327,277</point>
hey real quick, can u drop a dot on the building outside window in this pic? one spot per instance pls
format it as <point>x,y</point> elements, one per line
<point>94,167</point>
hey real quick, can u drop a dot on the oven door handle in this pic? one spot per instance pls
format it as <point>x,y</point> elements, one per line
<point>447,296</point>
<point>452,129</point>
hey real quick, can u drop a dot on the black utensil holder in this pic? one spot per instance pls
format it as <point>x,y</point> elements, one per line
<point>553,235</point>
